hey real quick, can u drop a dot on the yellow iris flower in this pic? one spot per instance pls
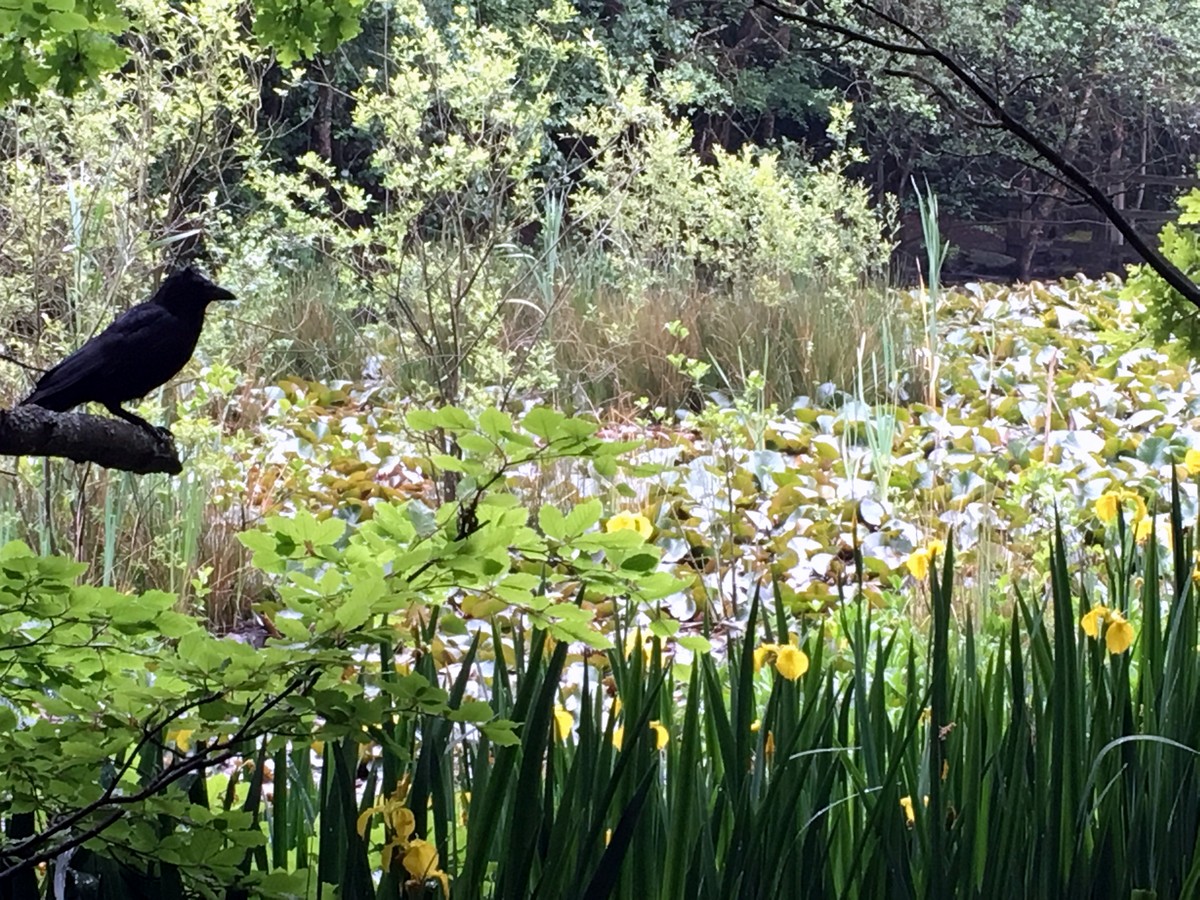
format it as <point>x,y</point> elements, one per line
<point>563,723</point>
<point>421,862</point>
<point>919,560</point>
<point>790,661</point>
<point>1142,530</point>
<point>1118,633</point>
<point>910,815</point>
<point>419,858</point>
<point>1109,503</point>
<point>661,736</point>
<point>1118,636</point>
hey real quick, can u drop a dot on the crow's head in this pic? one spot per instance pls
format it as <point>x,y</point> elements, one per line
<point>188,289</point>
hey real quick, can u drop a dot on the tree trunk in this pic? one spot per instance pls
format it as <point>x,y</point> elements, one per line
<point>1055,191</point>
<point>322,133</point>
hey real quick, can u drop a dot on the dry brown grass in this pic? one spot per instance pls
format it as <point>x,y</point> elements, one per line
<point>616,345</point>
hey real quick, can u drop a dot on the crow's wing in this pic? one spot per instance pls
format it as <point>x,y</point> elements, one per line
<point>120,363</point>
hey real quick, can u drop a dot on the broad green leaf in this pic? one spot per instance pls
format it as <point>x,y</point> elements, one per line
<point>495,424</point>
<point>501,733</point>
<point>543,421</point>
<point>552,522</point>
<point>473,711</point>
<point>582,517</point>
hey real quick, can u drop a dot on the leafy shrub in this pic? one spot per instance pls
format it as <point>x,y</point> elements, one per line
<point>123,711</point>
<point>1168,315</point>
<point>756,219</point>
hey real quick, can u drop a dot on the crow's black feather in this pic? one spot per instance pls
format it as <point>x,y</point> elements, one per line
<point>142,349</point>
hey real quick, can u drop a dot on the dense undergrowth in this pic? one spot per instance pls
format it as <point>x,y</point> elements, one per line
<point>860,647</point>
<point>559,525</point>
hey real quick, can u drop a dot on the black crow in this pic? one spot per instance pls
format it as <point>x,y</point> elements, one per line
<point>142,349</point>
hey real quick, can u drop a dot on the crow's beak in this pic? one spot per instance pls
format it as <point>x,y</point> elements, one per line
<point>219,293</point>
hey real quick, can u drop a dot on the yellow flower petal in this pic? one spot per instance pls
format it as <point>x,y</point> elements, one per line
<point>763,654</point>
<point>918,563</point>
<point>617,522</point>
<point>646,639</point>
<point>563,723</point>
<point>1142,530</point>
<point>1191,461</point>
<point>1092,619</point>
<point>401,821</point>
<point>661,736</point>
<point>1118,636</point>
<point>420,859</point>
<point>1106,507</point>
<point>910,816</point>
<point>390,851</point>
<point>364,818</point>
<point>791,662</point>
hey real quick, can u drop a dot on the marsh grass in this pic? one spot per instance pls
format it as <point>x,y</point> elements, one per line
<point>613,343</point>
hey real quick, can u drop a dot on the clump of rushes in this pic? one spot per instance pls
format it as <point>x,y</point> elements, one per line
<point>1037,763</point>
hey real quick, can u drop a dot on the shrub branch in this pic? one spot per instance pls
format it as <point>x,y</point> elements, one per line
<point>111,806</point>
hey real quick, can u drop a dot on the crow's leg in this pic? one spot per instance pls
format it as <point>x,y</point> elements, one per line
<point>162,434</point>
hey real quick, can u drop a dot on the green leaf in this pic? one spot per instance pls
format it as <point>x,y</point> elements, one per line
<point>68,21</point>
<point>663,628</point>
<point>447,463</point>
<point>473,711</point>
<point>605,466</point>
<point>356,610</point>
<point>476,444</point>
<point>583,516</point>
<point>421,420</point>
<point>543,421</point>
<point>501,732</point>
<point>696,643</point>
<point>495,424</point>
<point>552,522</point>
<point>454,419</point>
<point>641,562</point>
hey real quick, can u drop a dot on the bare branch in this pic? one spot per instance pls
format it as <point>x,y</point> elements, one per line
<point>951,104</point>
<point>111,443</point>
